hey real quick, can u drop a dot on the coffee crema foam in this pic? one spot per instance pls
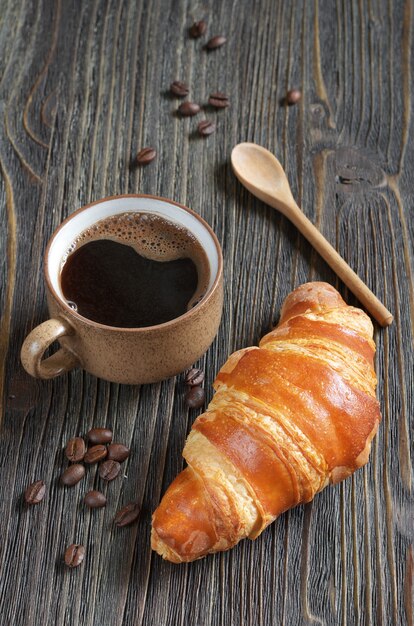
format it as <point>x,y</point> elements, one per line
<point>153,237</point>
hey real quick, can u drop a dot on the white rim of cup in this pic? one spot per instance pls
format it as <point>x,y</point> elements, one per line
<point>64,235</point>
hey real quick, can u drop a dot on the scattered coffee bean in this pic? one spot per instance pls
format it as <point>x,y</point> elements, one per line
<point>72,475</point>
<point>293,96</point>
<point>35,492</point>
<point>127,515</point>
<point>94,499</point>
<point>99,435</point>
<point>188,109</point>
<point>145,156</point>
<point>75,449</point>
<point>95,454</point>
<point>179,89</point>
<point>206,128</point>
<point>117,452</point>
<point>194,377</point>
<point>219,100</point>
<point>216,42</point>
<point>74,555</point>
<point>108,470</point>
<point>198,29</point>
<point>195,397</point>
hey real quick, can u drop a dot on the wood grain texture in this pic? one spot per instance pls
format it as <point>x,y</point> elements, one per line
<point>83,86</point>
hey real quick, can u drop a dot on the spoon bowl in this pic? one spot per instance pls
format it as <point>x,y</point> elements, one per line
<point>262,174</point>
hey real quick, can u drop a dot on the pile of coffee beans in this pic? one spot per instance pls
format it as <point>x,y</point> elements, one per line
<point>101,450</point>
<point>195,395</point>
<point>98,448</point>
<point>180,89</point>
<point>217,100</point>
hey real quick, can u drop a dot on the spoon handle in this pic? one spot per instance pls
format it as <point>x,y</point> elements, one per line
<point>340,267</point>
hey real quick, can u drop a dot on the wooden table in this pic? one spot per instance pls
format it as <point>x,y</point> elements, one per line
<point>84,85</point>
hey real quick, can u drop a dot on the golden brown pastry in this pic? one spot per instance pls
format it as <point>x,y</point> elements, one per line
<point>287,418</point>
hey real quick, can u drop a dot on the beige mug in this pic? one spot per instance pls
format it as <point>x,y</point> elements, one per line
<point>124,355</point>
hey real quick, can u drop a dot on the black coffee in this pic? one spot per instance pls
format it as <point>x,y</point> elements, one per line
<point>134,270</point>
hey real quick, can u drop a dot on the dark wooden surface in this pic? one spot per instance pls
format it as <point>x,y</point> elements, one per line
<point>82,88</point>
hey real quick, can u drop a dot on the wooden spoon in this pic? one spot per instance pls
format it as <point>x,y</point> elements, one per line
<point>261,173</point>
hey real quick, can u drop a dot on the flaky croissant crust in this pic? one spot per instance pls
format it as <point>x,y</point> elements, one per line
<point>287,418</point>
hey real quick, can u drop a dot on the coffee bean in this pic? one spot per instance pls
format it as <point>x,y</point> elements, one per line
<point>108,470</point>
<point>219,100</point>
<point>145,156</point>
<point>127,515</point>
<point>188,109</point>
<point>195,397</point>
<point>216,42</point>
<point>179,89</point>
<point>95,454</point>
<point>94,499</point>
<point>206,128</point>
<point>75,449</point>
<point>293,96</point>
<point>74,555</point>
<point>117,452</point>
<point>99,435</point>
<point>194,377</point>
<point>35,492</point>
<point>198,29</point>
<point>72,475</point>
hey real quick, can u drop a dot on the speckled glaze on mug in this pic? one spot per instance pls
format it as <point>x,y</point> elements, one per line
<point>124,355</point>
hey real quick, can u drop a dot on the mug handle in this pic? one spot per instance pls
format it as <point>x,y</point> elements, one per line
<point>37,342</point>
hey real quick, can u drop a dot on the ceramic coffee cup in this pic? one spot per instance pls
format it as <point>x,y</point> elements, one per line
<point>124,355</point>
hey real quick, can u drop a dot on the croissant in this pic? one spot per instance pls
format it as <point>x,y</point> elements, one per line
<point>288,418</point>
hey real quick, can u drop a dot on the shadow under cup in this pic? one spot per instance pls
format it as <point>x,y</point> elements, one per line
<point>124,355</point>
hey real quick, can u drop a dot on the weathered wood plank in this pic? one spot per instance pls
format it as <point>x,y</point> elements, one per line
<point>82,88</point>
